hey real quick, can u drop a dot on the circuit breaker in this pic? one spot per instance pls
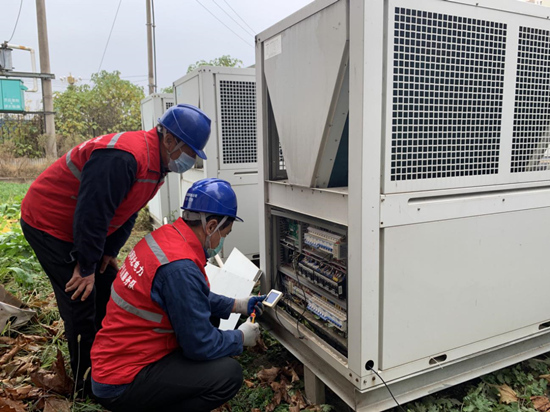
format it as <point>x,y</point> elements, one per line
<point>312,272</point>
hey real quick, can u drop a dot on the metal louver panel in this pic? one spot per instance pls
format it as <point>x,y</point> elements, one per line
<point>448,81</point>
<point>531,137</point>
<point>238,121</point>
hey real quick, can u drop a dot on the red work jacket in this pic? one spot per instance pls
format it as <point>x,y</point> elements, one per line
<point>136,331</point>
<point>50,202</point>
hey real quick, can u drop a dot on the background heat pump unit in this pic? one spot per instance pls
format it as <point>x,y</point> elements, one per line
<point>167,201</point>
<point>404,170</point>
<point>228,96</point>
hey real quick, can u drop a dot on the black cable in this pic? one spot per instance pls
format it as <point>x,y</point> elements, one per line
<point>239,16</point>
<point>16,21</point>
<point>231,17</point>
<point>109,38</point>
<point>387,387</point>
<point>216,17</point>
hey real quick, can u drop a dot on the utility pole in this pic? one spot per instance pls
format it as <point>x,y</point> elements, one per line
<point>150,48</point>
<point>47,95</point>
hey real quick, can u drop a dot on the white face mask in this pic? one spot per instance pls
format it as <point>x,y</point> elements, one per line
<point>183,163</point>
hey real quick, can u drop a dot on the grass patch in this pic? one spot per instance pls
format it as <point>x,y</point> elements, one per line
<point>10,192</point>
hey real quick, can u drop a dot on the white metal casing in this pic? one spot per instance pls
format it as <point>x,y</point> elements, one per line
<point>438,249</point>
<point>228,96</point>
<point>166,202</point>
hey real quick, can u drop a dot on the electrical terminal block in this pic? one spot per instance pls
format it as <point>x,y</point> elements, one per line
<point>324,275</point>
<point>326,241</point>
<point>292,288</point>
<point>327,312</point>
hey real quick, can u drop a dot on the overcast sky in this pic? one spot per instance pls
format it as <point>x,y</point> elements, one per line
<point>186,31</point>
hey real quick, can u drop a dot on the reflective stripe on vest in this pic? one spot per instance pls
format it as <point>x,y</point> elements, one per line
<point>147,181</point>
<point>113,141</point>
<point>144,314</point>
<point>72,167</point>
<point>163,330</point>
<point>157,251</point>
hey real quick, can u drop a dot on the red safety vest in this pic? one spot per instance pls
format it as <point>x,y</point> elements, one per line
<point>136,331</point>
<point>50,202</point>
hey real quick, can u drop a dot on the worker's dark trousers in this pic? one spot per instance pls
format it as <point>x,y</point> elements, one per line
<point>81,318</point>
<point>175,383</point>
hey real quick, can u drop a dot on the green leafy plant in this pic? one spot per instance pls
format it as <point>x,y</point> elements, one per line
<point>225,61</point>
<point>110,105</point>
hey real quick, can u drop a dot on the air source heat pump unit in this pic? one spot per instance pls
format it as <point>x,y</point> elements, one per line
<point>228,96</point>
<point>404,171</point>
<point>167,202</point>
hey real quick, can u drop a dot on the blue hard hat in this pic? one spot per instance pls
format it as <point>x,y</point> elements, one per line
<point>189,124</point>
<point>213,196</point>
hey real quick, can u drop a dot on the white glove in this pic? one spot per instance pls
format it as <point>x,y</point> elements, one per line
<point>251,333</point>
<point>245,306</point>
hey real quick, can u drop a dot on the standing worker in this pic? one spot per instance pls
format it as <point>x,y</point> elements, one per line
<point>158,350</point>
<point>81,210</point>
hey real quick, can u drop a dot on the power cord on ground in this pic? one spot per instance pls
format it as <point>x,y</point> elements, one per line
<point>370,368</point>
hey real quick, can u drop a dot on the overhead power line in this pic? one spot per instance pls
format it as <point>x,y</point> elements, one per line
<point>228,28</point>
<point>231,17</point>
<point>109,38</point>
<point>16,21</point>
<point>238,15</point>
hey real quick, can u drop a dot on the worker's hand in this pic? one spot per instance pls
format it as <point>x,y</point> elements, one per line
<point>108,260</point>
<point>81,285</point>
<point>251,333</point>
<point>246,306</point>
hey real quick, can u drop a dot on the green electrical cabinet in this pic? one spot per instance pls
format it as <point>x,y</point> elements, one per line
<point>12,98</point>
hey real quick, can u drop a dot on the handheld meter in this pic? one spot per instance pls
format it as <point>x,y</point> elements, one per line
<point>272,298</point>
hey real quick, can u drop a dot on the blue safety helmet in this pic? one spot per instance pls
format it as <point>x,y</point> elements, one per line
<point>189,124</point>
<point>212,196</point>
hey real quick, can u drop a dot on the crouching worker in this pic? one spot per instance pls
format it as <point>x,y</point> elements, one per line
<point>158,350</point>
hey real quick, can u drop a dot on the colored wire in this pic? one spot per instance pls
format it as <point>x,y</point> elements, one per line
<point>109,38</point>
<point>16,21</point>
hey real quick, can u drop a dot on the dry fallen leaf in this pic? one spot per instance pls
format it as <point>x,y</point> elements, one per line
<point>57,380</point>
<point>33,338</point>
<point>291,373</point>
<point>507,394</point>
<point>268,375</point>
<point>225,407</point>
<point>50,329</point>
<point>547,377</point>
<point>8,405</point>
<point>260,346</point>
<point>249,384</point>
<point>294,409</point>
<point>4,340</point>
<point>57,405</point>
<point>18,393</point>
<point>298,400</point>
<point>20,365</point>
<point>8,356</point>
<point>541,403</point>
